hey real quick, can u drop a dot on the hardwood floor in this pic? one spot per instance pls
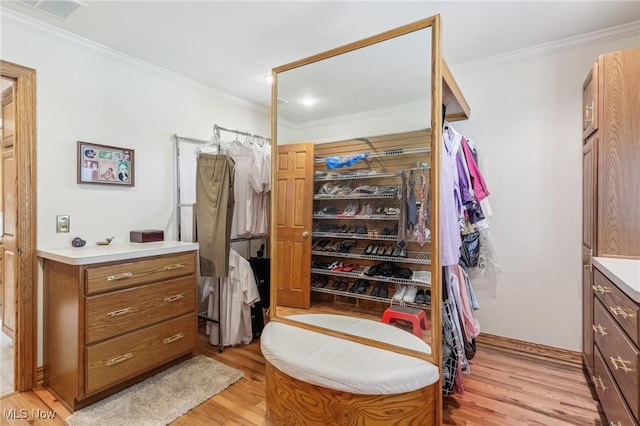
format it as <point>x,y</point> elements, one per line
<point>502,389</point>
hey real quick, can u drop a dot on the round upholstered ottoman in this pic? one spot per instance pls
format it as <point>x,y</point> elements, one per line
<point>317,379</point>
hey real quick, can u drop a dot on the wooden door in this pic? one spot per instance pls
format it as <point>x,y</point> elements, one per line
<point>588,238</point>
<point>619,155</point>
<point>10,213</point>
<point>294,195</point>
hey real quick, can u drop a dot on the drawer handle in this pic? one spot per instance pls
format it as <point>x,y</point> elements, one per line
<point>174,338</point>
<point>119,359</point>
<point>174,266</point>
<point>174,298</point>
<point>598,329</point>
<point>619,311</point>
<point>615,362</point>
<point>599,289</point>
<point>120,312</point>
<point>598,383</point>
<point>119,276</point>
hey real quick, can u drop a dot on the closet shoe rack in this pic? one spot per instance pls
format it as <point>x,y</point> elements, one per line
<point>343,217</point>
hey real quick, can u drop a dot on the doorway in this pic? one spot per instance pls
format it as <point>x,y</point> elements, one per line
<point>19,257</point>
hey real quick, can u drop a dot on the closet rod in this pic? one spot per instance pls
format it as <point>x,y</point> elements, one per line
<point>183,138</point>
<point>216,131</point>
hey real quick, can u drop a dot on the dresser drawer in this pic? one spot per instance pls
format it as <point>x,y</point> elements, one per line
<point>118,312</point>
<point>123,275</point>
<point>119,359</point>
<point>612,402</point>
<point>620,355</point>
<point>624,310</point>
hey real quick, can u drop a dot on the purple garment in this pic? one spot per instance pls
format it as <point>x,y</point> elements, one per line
<point>462,179</point>
<point>479,187</point>
<point>450,208</point>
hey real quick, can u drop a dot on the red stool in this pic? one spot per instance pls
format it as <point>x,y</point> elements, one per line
<point>415,316</point>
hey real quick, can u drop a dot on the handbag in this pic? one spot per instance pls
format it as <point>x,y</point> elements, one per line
<point>470,249</point>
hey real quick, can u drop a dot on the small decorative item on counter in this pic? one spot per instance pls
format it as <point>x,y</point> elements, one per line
<point>105,242</point>
<point>78,242</point>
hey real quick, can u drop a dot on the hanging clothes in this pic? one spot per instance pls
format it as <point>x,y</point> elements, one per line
<point>450,205</point>
<point>215,201</point>
<point>239,294</point>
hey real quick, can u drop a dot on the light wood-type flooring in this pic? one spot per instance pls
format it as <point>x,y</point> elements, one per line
<point>503,389</point>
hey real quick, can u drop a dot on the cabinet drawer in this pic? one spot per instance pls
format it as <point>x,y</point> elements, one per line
<point>123,275</point>
<point>612,402</point>
<point>590,103</point>
<point>119,359</point>
<point>620,355</point>
<point>118,312</point>
<point>624,310</point>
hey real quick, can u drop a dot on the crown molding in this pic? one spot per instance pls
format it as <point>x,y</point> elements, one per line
<point>25,21</point>
<point>629,30</point>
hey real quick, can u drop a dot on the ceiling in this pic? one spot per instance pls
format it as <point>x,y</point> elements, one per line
<point>231,45</point>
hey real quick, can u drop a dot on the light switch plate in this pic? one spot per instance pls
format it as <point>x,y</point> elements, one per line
<point>62,223</point>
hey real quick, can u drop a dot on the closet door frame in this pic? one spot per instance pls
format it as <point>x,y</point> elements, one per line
<point>25,344</point>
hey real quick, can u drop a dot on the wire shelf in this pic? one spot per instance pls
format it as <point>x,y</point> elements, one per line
<point>350,236</point>
<point>388,153</point>
<point>365,296</point>
<point>356,175</point>
<point>413,257</point>
<point>361,275</point>
<point>357,216</point>
<point>352,196</point>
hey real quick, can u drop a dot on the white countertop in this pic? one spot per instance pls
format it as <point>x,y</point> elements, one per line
<point>625,273</point>
<point>97,254</point>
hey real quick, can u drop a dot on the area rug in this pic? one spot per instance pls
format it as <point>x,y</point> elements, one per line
<point>160,399</point>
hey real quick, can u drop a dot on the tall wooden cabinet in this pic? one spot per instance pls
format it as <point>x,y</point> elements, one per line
<point>611,224</point>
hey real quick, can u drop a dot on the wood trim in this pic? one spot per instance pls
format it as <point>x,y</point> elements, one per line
<point>39,376</point>
<point>387,35</point>
<point>273,224</point>
<point>436,164</point>
<point>26,276</point>
<point>535,350</point>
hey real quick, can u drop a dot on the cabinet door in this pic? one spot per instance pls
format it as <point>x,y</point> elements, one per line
<point>619,156</point>
<point>587,311</point>
<point>589,189</point>
<point>590,102</point>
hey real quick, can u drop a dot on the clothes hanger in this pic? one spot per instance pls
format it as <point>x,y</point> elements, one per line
<point>215,142</point>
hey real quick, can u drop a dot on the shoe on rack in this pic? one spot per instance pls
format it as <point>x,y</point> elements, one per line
<point>344,284</point>
<point>383,290</point>
<point>336,284</point>
<point>363,286</point>
<point>397,297</point>
<point>375,291</point>
<point>410,294</point>
<point>420,300</point>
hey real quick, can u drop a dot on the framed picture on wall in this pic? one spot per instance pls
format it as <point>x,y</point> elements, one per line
<point>105,165</point>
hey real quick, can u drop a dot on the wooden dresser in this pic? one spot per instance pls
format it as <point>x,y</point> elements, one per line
<point>616,297</point>
<point>611,231</point>
<point>116,316</point>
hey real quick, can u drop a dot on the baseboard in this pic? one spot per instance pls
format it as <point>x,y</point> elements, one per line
<point>532,349</point>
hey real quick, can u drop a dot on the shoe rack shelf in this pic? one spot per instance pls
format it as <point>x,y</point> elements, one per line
<point>357,216</point>
<point>354,196</point>
<point>361,275</point>
<point>355,176</point>
<point>365,296</point>
<point>414,257</point>
<point>351,236</point>
<point>388,153</point>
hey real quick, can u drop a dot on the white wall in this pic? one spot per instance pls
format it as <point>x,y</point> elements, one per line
<point>88,94</point>
<point>526,116</point>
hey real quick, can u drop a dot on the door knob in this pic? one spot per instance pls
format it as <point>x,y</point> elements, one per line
<point>306,234</point>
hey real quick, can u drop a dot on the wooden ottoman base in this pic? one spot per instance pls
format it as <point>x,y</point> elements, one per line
<point>296,403</point>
